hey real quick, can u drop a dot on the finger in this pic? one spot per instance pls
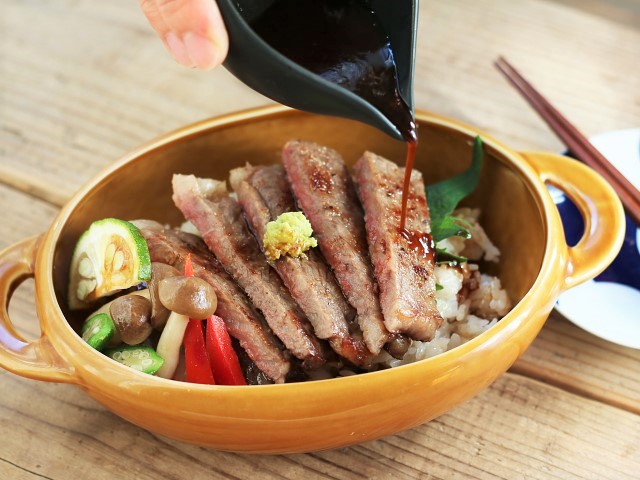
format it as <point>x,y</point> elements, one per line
<point>192,30</point>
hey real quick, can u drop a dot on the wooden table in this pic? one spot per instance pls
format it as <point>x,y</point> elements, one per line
<point>85,81</point>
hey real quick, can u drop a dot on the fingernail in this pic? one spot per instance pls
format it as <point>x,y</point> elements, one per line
<point>201,50</point>
<point>177,49</point>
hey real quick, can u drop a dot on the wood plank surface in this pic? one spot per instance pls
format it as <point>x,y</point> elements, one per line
<point>82,82</point>
<point>626,12</point>
<point>551,45</point>
<point>92,84</point>
<point>518,428</point>
<point>568,357</point>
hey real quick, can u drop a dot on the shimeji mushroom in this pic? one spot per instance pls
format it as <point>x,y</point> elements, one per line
<point>190,296</point>
<point>106,309</point>
<point>170,343</point>
<point>131,315</point>
<point>159,313</point>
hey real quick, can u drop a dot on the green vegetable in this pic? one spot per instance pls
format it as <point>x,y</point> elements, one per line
<point>443,197</point>
<point>448,227</point>
<point>111,255</point>
<point>439,287</point>
<point>98,330</point>
<point>289,234</point>
<point>139,357</point>
<point>445,257</point>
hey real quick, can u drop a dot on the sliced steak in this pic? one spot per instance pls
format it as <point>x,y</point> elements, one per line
<point>264,194</point>
<point>403,261</point>
<point>207,204</point>
<point>325,193</point>
<point>242,321</point>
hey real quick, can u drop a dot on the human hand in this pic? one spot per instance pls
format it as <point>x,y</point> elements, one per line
<point>192,30</point>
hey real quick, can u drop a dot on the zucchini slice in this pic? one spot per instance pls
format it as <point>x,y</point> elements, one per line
<point>111,255</point>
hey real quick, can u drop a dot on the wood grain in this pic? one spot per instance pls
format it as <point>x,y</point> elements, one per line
<point>82,82</point>
<point>518,428</point>
<point>570,358</point>
<point>93,83</point>
<point>626,12</point>
<point>575,60</point>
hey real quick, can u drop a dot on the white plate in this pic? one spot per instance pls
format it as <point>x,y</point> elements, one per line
<point>609,305</point>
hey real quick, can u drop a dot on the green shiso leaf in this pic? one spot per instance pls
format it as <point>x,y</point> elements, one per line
<point>448,227</point>
<point>443,197</point>
<point>445,257</point>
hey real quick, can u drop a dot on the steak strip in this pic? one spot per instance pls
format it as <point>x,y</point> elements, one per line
<point>242,321</point>
<point>264,194</point>
<point>325,193</point>
<point>403,261</point>
<point>207,204</point>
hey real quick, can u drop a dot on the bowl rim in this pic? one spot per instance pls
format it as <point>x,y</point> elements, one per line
<point>541,295</point>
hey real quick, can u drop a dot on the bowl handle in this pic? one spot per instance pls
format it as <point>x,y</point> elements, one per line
<point>36,359</point>
<point>599,206</point>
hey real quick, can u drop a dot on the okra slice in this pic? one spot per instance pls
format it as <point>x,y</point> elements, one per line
<point>98,330</point>
<point>139,357</point>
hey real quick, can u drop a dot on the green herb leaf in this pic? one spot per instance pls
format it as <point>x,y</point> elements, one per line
<point>448,227</point>
<point>464,223</point>
<point>439,287</point>
<point>445,257</point>
<point>443,197</point>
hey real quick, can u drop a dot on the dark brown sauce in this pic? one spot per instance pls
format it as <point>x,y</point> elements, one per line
<point>343,42</point>
<point>412,145</point>
<point>420,242</point>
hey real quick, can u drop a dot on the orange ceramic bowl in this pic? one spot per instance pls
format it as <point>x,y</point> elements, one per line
<point>536,266</point>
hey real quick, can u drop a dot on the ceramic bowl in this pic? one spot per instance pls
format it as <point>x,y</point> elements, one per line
<point>518,213</point>
<point>615,293</point>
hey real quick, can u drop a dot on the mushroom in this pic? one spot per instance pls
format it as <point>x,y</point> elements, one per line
<point>106,308</point>
<point>131,315</point>
<point>159,313</point>
<point>398,345</point>
<point>190,296</point>
<point>170,342</point>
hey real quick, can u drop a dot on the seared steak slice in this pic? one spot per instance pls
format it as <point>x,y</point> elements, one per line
<point>325,193</point>
<point>207,204</point>
<point>403,261</point>
<point>264,194</point>
<point>242,321</point>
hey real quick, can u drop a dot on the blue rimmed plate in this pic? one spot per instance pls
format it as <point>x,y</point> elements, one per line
<point>609,305</point>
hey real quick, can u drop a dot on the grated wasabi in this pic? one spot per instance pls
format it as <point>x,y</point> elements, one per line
<point>289,234</point>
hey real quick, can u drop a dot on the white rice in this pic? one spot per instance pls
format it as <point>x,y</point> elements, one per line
<point>470,302</point>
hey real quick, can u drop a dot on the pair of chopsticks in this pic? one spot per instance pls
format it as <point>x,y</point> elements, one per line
<point>577,143</point>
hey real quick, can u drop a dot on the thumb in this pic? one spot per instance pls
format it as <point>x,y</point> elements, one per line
<point>192,30</point>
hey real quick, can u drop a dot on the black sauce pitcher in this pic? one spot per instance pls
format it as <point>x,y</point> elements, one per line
<point>276,76</point>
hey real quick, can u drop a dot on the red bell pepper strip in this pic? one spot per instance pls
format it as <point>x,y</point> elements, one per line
<point>197,365</point>
<point>224,361</point>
